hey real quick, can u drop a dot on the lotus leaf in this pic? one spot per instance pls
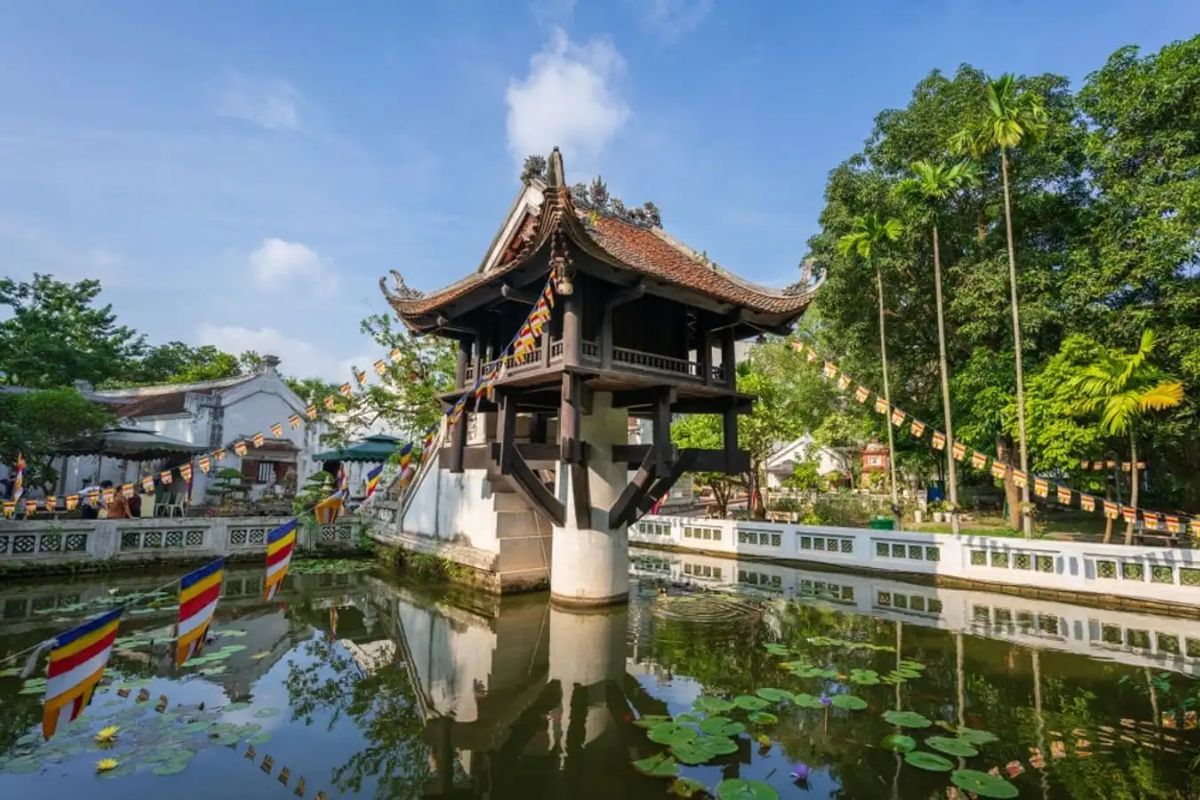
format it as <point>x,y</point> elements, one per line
<point>686,719</point>
<point>848,702</point>
<point>173,767</point>
<point>953,747</point>
<point>763,718</point>
<point>740,789</point>
<point>864,677</point>
<point>808,701</point>
<point>657,766</point>
<point>266,712</point>
<point>749,702</point>
<point>688,753</point>
<point>776,649</point>
<point>977,737</point>
<point>671,733</point>
<point>686,787</point>
<point>907,719</point>
<point>898,743</point>
<point>773,695</point>
<point>650,720</point>
<point>721,726</point>
<point>931,762</point>
<point>982,784</point>
<point>712,705</point>
<point>717,745</point>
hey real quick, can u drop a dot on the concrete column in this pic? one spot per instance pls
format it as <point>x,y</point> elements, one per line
<point>587,655</point>
<point>590,566</point>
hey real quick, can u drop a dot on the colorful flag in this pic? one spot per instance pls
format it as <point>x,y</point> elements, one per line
<point>127,490</point>
<point>51,502</point>
<point>276,429</point>
<point>361,377</point>
<point>938,440</point>
<point>881,406</point>
<point>1195,526</point>
<point>18,487</point>
<point>978,460</point>
<point>1173,525</point>
<point>1062,494</point>
<point>1087,502</point>
<point>205,464</point>
<point>373,480</point>
<point>1129,513</point>
<point>108,495</point>
<point>917,428</point>
<point>898,417</point>
<point>406,456</point>
<point>1021,479</point>
<point>1041,487</point>
<point>958,451</point>
<point>328,510</point>
<point>380,367</point>
<point>218,454</point>
<point>76,665</point>
<point>240,448</point>
<point>311,411</point>
<point>830,369</point>
<point>329,402</point>
<point>346,389</point>
<point>294,421</point>
<point>185,471</point>
<point>1085,464</point>
<point>30,507</point>
<point>548,292</point>
<point>1098,466</point>
<point>1125,466</point>
<point>861,394</point>
<point>72,500</point>
<point>148,484</point>
<point>166,476</point>
<point>1111,510</point>
<point>10,507</point>
<point>258,439</point>
<point>999,470</point>
<point>394,355</point>
<point>843,382</point>
<point>198,595</point>
<point>280,543</point>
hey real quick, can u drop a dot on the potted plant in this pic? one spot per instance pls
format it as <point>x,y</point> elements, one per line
<point>938,509</point>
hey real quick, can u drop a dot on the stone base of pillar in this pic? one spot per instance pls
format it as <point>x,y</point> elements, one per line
<point>590,566</point>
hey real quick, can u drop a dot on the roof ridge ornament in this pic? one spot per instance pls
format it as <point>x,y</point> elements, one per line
<point>402,291</point>
<point>556,174</point>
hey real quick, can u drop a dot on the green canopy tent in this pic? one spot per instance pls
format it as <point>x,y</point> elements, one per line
<point>375,449</point>
<point>129,444</point>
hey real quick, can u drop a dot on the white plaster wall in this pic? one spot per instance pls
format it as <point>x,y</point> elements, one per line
<point>452,507</point>
<point>452,660</point>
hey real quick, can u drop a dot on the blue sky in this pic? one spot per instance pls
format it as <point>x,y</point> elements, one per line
<point>241,174</point>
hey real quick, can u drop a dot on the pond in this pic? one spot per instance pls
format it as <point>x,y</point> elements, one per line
<point>743,679</point>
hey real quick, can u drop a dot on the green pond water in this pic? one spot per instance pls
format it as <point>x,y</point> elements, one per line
<point>718,676</point>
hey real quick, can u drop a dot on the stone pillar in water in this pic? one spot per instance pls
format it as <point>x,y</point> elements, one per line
<point>587,658</point>
<point>590,566</point>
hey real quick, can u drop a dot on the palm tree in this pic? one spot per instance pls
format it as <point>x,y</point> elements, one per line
<point>1011,118</point>
<point>1122,387</point>
<point>867,234</point>
<point>929,188</point>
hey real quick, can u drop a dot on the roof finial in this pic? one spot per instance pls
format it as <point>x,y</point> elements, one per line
<point>556,176</point>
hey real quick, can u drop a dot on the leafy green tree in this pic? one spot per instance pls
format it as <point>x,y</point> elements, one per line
<point>36,423</point>
<point>1012,117</point>
<point>1122,387</point>
<point>868,234</point>
<point>57,335</point>
<point>177,362</point>
<point>930,188</point>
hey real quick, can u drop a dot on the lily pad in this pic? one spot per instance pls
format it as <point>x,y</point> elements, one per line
<point>864,677</point>
<point>716,745</point>
<point>953,747</point>
<point>721,726</point>
<point>749,703</point>
<point>976,736</point>
<point>773,695</point>
<point>686,787</point>
<point>898,743</point>
<point>173,767</point>
<point>931,762</point>
<point>266,712</point>
<point>688,719</point>
<point>915,666</point>
<point>650,720</point>
<point>21,766</point>
<point>848,702</point>
<point>982,784</point>
<point>200,726</point>
<point>763,718</point>
<point>687,753</point>
<point>236,706</point>
<point>658,766</point>
<point>907,719</point>
<point>805,700</point>
<point>671,733</point>
<point>776,649</point>
<point>259,738</point>
<point>712,705</point>
<point>741,789</point>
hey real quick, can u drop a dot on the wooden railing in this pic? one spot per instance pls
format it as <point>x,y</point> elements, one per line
<point>590,352</point>
<point>657,363</point>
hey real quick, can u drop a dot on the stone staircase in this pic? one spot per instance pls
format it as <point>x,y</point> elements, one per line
<point>525,539</point>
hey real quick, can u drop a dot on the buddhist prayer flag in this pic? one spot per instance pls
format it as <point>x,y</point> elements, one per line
<point>861,394</point>
<point>205,464</point>
<point>1110,464</point>
<point>830,369</point>
<point>240,448</point>
<point>881,406</point>
<point>346,389</point>
<point>328,510</point>
<point>999,471</point>
<point>108,495</point>
<point>166,476</point>
<point>127,490</point>
<point>1129,513</point>
<point>394,355</point>
<point>258,439</point>
<point>18,486</point>
<point>311,411</point>
<point>30,507</point>
<point>361,377</point>
<point>958,451</point>
<point>1173,524</point>
<point>1111,510</point>
<point>51,502</point>
<point>373,480</point>
<point>10,507</point>
<point>76,665</point>
<point>898,417</point>
<point>1063,494</point>
<point>280,543</point>
<point>276,429</point>
<point>329,402</point>
<point>406,456</point>
<point>1125,466</point>
<point>294,421</point>
<point>1020,478</point>
<point>198,595</point>
<point>72,501</point>
<point>380,367</point>
<point>938,440</point>
<point>185,471</point>
<point>1195,526</point>
<point>1087,502</point>
<point>218,454</point>
<point>1041,487</point>
<point>917,428</point>
<point>843,382</point>
<point>1085,464</point>
<point>978,460</point>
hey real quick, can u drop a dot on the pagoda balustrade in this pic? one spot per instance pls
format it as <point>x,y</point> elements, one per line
<point>592,355</point>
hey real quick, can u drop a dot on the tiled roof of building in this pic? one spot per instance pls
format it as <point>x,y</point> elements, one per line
<point>163,399</point>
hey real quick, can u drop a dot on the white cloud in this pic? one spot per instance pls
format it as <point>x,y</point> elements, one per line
<point>267,103</point>
<point>276,262</point>
<point>297,356</point>
<point>674,18</point>
<point>567,99</point>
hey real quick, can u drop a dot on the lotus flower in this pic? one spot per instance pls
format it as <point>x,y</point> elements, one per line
<point>105,764</point>
<point>800,772</point>
<point>825,701</point>
<point>106,735</point>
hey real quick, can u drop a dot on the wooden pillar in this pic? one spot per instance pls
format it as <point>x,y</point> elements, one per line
<point>568,418</point>
<point>706,359</point>
<point>458,443</point>
<point>606,337</point>
<point>730,433</point>
<point>728,358</point>
<point>537,429</point>
<point>476,353</point>
<point>572,343</point>
<point>506,429</point>
<point>460,365</point>
<point>664,452</point>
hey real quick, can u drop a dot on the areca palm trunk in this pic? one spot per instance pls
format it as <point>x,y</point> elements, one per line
<point>944,364</point>
<point>1026,519</point>
<point>887,395</point>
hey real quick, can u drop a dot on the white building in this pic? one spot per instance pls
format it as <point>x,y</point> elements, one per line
<point>211,414</point>
<point>783,461</point>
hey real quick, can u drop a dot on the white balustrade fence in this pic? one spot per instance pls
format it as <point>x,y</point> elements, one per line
<point>1168,575</point>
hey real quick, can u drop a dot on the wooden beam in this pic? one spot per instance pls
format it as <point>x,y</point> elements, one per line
<point>664,451</point>
<point>643,397</point>
<point>728,358</point>
<point>632,494</point>
<point>729,429</point>
<point>696,459</point>
<point>685,463</point>
<point>510,292</point>
<point>706,359</point>
<point>571,335</point>
<point>458,443</point>
<point>534,492</point>
<point>569,418</point>
<point>581,494</point>
<point>506,428</point>
<point>713,405</point>
<point>460,363</point>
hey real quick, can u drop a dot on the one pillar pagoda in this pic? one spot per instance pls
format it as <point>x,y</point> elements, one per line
<point>643,326</point>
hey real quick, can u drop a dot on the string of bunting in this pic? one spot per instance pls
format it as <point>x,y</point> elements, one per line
<point>520,347</point>
<point>1042,487</point>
